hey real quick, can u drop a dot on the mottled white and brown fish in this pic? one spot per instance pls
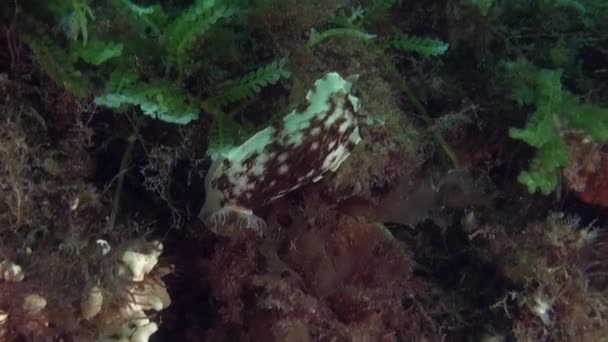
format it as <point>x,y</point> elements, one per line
<point>300,149</point>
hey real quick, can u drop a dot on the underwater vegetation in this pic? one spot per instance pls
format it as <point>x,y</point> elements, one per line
<point>286,170</point>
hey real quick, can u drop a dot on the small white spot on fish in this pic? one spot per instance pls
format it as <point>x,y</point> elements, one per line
<point>344,126</point>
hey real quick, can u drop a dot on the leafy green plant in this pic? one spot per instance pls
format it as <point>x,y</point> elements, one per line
<point>316,37</point>
<point>146,56</point>
<point>158,99</point>
<point>355,24</point>
<point>556,110</point>
<point>423,46</point>
<point>185,30</point>
<point>225,131</point>
<point>378,10</point>
<point>250,84</point>
<point>483,6</point>
<point>58,63</point>
<point>75,23</point>
<point>98,52</point>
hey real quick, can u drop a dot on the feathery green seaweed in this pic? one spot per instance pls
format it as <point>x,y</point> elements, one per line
<point>557,110</point>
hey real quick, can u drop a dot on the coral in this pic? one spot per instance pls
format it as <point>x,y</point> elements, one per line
<point>556,293</point>
<point>51,221</point>
<point>109,312</point>
<point>587,173</point>
<point>126,314</point>
<point>341,277</point>
<point>113,112</point>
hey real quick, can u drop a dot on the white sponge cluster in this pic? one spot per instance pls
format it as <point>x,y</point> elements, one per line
<point>3,321</point>
<point>137,264</point>
<point>33,305</point>
<point>120,315</point>
<point>11,272</point>
<point>144,292</point>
